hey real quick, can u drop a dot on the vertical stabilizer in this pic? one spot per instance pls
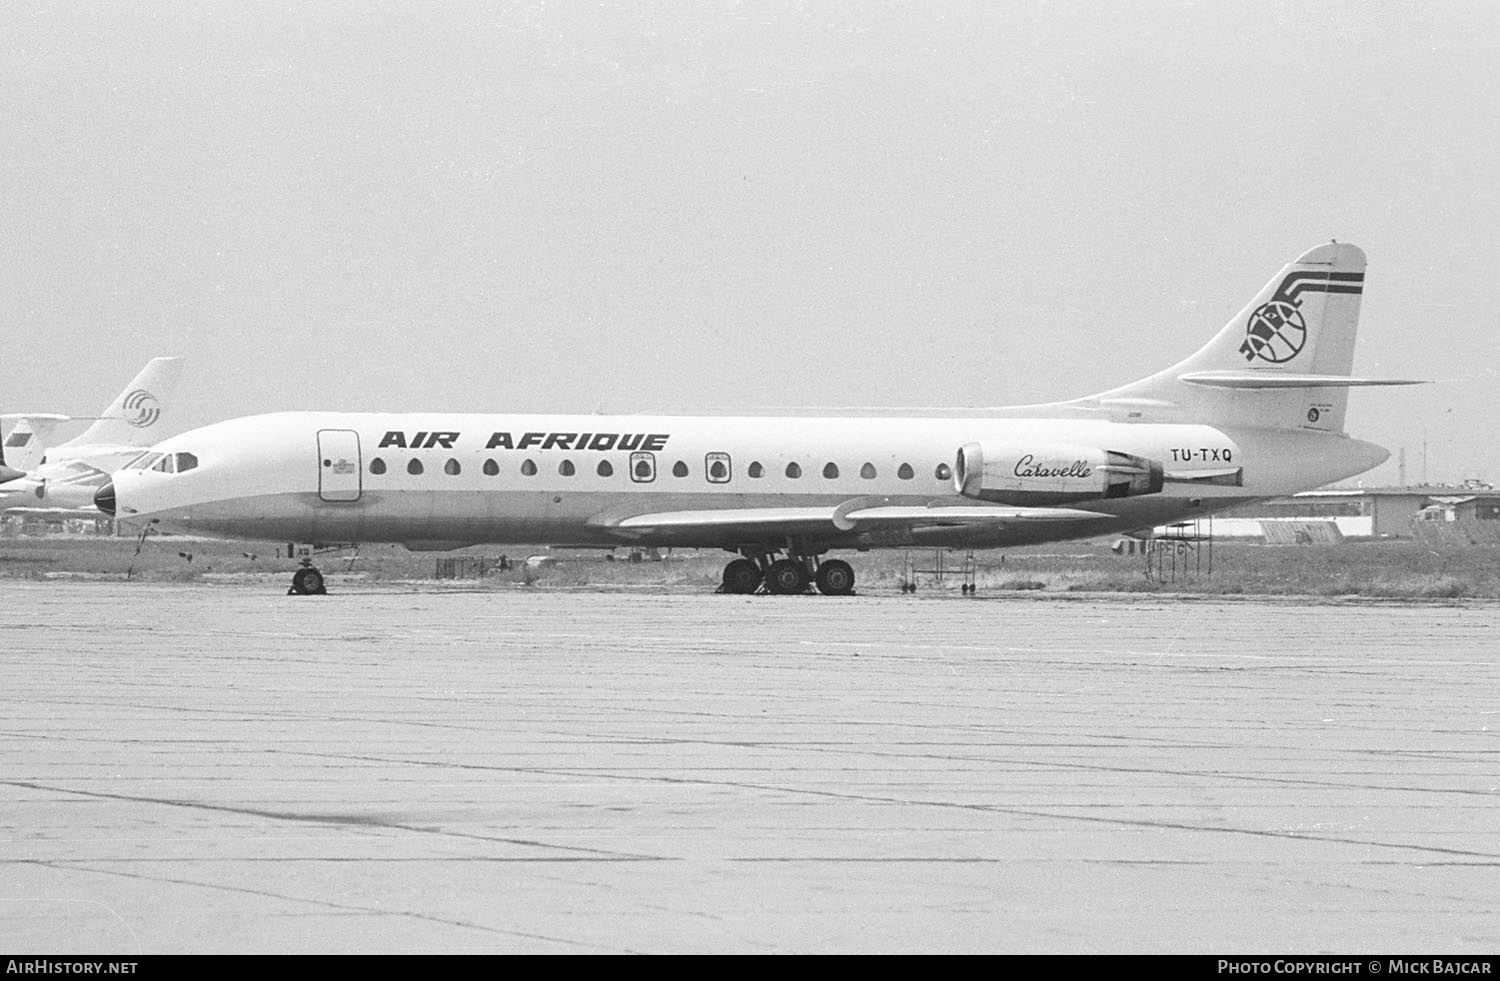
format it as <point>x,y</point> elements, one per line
<point>134,417</point>
<point>1284,361</point>
<point>26,443</point>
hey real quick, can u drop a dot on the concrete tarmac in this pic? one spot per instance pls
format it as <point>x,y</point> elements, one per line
<point>224,769</point>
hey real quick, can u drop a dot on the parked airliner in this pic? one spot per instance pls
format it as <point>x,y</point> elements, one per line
<point>66,476</point>
<point>1258,412</point>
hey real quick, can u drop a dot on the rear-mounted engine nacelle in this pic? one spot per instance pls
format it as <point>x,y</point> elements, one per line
<point>1051,473</point>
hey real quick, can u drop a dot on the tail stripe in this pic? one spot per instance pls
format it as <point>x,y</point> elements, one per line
<point>1318,282</point>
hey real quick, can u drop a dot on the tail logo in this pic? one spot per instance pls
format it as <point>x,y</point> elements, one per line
<point>1276,331</point>
<point>141,408</point>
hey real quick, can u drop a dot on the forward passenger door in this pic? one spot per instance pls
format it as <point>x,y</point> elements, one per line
<point>338,465</point>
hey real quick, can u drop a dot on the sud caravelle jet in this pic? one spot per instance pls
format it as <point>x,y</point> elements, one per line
<point>65,477</point>
<point>1258,412</point>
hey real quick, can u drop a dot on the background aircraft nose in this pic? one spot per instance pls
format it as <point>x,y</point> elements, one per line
<point>104,498</point>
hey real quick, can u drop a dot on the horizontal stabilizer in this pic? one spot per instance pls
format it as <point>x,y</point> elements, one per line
<point>1257,379</point>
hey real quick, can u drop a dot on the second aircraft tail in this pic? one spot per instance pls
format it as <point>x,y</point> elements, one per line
<point>134,417</point>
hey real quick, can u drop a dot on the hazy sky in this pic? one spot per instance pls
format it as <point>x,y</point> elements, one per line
<point>717,205</point>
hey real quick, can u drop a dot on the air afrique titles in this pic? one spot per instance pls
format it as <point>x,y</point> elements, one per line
<point>601,442</point>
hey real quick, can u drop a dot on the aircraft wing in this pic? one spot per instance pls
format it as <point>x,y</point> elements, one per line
<point>747,521</point>
<point>860,514</point>
<point>955,515</point>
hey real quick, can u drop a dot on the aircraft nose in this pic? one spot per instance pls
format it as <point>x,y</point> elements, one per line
<point>104,498</point>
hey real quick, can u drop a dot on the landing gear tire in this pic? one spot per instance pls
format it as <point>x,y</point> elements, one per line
<point>786,577</point>
<point>741,576</point>
<point>307,582</point>
<point>835,578</point>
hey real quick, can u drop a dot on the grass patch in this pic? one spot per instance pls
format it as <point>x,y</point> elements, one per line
<point>1379,570</point>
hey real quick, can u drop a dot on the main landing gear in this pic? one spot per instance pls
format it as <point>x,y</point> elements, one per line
<point>307,581</point>
<point>789,576</point>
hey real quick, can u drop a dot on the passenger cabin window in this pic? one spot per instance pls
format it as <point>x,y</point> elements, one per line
<point>716,467</point>
<point>606,469</point>
<point>679,469</point>
<point>643,467</point>
<point>905,472</point>
<point>867,471</point>
<point>830,471</point>
<point>377,466</point>
<point>451,468</point>
<point>528,468</point>
<point>566,468</point>
<point>491,468</point>
<point>943,472</point>
<point>414,467</point>
<point>756,470</point>
<point>793,471</point>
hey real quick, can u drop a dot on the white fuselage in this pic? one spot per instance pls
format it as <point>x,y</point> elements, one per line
<point>445,480</point>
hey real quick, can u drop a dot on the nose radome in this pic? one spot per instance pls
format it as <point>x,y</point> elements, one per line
<point>104,498</point>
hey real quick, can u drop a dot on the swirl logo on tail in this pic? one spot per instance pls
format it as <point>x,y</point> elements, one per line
<point>141,409</point>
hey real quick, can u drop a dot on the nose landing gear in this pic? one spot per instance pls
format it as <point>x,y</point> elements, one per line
<point>307,581</point>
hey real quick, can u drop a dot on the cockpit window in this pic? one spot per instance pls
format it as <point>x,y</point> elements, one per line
<point>186,461</point>
<point>143,461</point>
<point>164,465</point>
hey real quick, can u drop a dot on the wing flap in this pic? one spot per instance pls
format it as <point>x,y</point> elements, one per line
<point>963,515</point>
<point>723,518</point>
<point>860,513</point>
